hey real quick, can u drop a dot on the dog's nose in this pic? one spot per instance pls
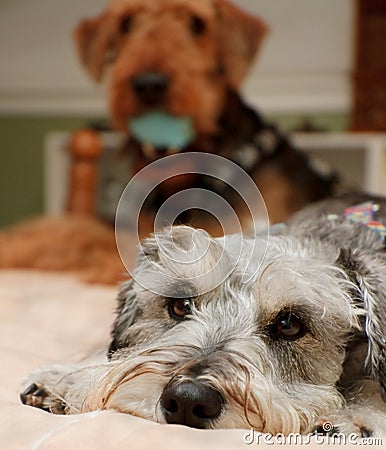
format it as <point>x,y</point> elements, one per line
<point>191,403</point>
<point>150,87</point>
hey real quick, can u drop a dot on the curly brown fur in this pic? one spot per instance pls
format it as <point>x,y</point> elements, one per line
<point>65,243</point>
<point>204,46</point>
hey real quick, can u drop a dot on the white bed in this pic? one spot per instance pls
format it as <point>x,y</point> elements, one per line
<point>48,318</point>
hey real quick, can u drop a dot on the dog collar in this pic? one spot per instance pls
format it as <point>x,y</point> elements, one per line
<point>364,214</point>
<point>264,143</point>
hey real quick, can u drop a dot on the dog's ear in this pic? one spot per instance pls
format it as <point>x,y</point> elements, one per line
<point>127,312</point>
<point>368,274</point>
<point>95,42</point>
<point>240,36</point>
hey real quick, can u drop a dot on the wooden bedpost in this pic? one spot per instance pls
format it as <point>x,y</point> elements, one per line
<point>85,149</point>
<point>369,77</point>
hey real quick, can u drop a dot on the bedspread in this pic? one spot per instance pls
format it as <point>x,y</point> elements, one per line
<point>50,318</point>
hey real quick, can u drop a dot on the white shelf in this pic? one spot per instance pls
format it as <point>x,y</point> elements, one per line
<point>370,148</point>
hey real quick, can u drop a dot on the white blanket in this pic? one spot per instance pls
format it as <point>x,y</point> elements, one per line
<point>51,318</point>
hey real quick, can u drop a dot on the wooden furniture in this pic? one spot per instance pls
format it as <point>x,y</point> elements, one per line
<point>369,76</point>
<point>85,148</point>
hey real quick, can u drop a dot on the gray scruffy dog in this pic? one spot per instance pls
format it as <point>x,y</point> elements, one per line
<point>300,343</point>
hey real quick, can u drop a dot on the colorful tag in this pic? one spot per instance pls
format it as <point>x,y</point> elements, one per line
<point>364,215</point>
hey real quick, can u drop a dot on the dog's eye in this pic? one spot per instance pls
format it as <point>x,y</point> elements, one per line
<point>197,26</point>
<point>126,24</point>
<point>288,326</point>
<point>179,308</point>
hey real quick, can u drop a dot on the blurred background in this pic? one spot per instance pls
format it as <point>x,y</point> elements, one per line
<point>322,68</point>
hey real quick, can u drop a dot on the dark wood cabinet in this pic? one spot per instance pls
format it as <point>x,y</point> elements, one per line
<point>369,76</point>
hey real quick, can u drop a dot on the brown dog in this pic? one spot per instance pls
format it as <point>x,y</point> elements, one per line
<point>181,63</point>
<point>195,49</point>
<point>187,60</point>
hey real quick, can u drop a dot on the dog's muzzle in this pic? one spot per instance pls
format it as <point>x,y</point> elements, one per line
<point>191,403</point>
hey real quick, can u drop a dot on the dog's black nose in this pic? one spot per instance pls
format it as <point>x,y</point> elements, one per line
<point>150,87</point>
<point>191,403</point>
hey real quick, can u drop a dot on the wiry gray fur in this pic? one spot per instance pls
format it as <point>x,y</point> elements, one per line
<point>329,273</point>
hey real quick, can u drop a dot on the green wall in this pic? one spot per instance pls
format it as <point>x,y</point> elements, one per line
<point>22,148</point>
<point>21,163</point>
<point>324,122</point>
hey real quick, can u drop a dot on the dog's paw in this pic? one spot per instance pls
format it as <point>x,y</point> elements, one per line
<point>38,396</point>
<point>359,428</point>
<point>325,427</point>
<point>43,390</point>
<point>362,422</point>
<point>346,428</point>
